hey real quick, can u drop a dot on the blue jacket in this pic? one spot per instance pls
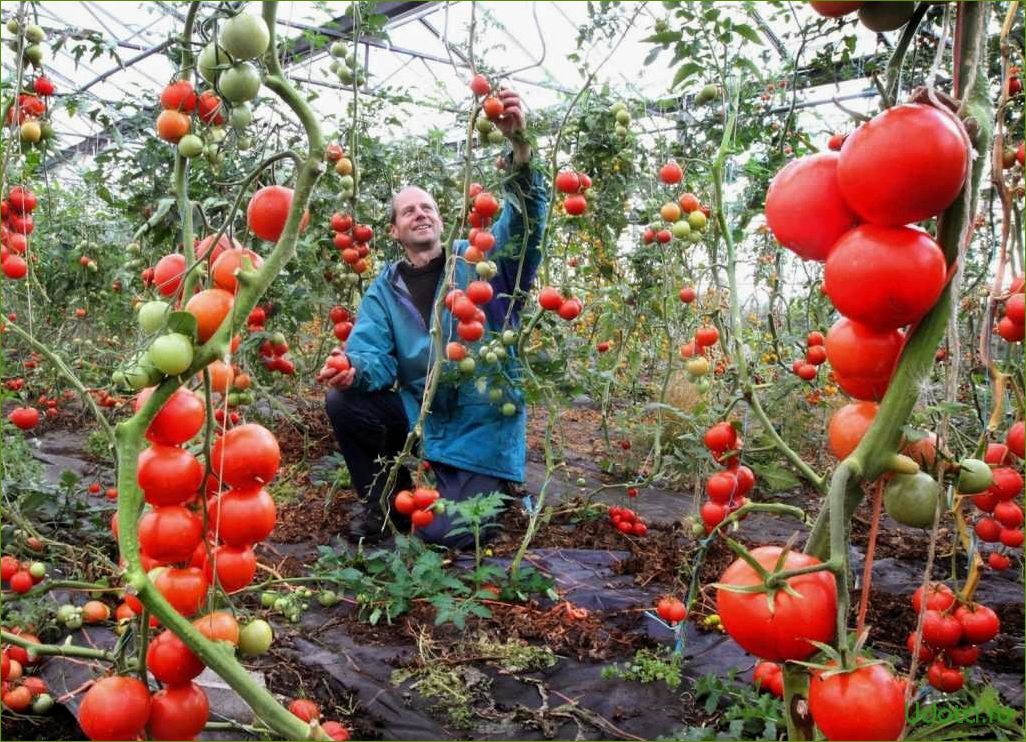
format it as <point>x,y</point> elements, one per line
<point>390,343</point>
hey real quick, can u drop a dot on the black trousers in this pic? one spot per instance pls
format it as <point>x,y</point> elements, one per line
<point>371,428</point>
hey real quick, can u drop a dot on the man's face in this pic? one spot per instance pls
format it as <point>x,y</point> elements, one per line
<point>417,224</point>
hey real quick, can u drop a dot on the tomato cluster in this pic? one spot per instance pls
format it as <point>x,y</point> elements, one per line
<point>342,322</point>
<point>1001,518</point>
<point>352,240</point>
<point>465,306</point>
<point>1011,326</point>
<point>273,352</point>
<point>683,219</point>
<point>727,490</point>
<point>30,111</point>
<point>21,576</point>
<point>627,521</point>
<point>484,207</point>
<point>16,226</point>
<point>553,300</point>
<point>308,711</point>
<point>577,187</point>
<point>693,351</point>
<point>19,691</point>
<point>419,505</point>
<point>815,355</point>
<point>951,635</point>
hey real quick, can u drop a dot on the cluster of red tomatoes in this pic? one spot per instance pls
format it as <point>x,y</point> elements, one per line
<point>671,610</point>
<point>178,100</point>
<point>342,322</point>
<point>484,207</point>
<point>418,505</point>
<point>552,300</point>
<point>243,459</point>
<point>627,521</point>
<point>728,489</point>
<point>273,352</point>
<point>1001,517</point>
<point>693,351</point>
<point>465,306</point>
<point>815,356</point>
<point>952,633</point>
<point>308,711</point>
<point>15,228</point>
<point>352,240</point>
<point>685,219</point>
<point>1011,325</point>
<point>19,690</point>
<point>21,576</point>
<point>575,185</point>
<point>861,210</point>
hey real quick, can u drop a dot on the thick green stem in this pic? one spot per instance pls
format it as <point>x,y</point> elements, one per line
<point>54,650</point>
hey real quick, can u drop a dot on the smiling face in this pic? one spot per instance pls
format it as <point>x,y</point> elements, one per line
<point>416,224</point>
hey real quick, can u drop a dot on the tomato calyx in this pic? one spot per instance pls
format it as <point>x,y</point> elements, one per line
<point>843,660</point>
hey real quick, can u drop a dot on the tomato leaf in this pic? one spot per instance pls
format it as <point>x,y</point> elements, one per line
<point>777,478</point>
<point>182,322</point>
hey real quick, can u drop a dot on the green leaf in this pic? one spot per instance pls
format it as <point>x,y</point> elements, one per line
<point>664,37</point>
<point>748,33</point>
<point>685,71</point>
<point>777,478</point>
<point>183,322</point>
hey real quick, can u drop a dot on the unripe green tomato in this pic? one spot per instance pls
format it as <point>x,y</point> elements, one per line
<point>620,131</point>
<point>347,183</point>
<point>581,481</point>
<point>46,131</point>
<point>486,269</point>
<point>245,36</point>
<point>247,397</point>
<point>483,125</point>
<point>680,229</point>
<point>12,26</point>
<point>345,76</point>
<point>75,622</point>
<point>153,315</point>
<point>697,220</point>
<point>280,604</point>
<point>37,570</point>
<point>243,143</point>
<point>911,499</point>
<point>496,137</point>
<point>509,337</point>
<point>491,357</point>
<point>467,365</point>
<point>34,34</point>
<point>216,134</point>
<point>617,107</point>
<point>351,278</point>
<point>695,236</point>
<point>209,60</point>
<point>337,50</point>
<point>509,409</point>
<point>327,598</point>
<point>500,352</point>
<point>171,353</point>
<point>241,116</point>
<point>590,193</point>
<point>974,476</point>
<point>34,55</point>
<point>623,117</point>
<point>495,394</point>
<point>134,247</point>
<point>267,599</point>
<point>65,612</point>
<point>42,704</point>
<point>255,638</point>
<point>351,61</point>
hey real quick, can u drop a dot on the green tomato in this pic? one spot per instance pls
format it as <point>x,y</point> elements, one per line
<point>245,36</point>
<point>911,499</point>
<point>255,638</point>
<point>617,107</point>
<point>509,409</point>
<point>267,599</point>
<point>496,137</point>
<point>34,55</point>
<point>491,357</point>
<point>65,612</point>
<point>337,50</point>
<point>680,229</point>
<point>695,236</point>
<point>75,622</point>
<point>486,269</point>
<point>241,116</point>
<point>171,353</point>
<point>190,146</point>
<point>345,76</point>
<point>42,704</point>
<point>347,183</point>
<point>280,604</point>
<point>706,94</point>
<point>495,394</point>
<point>974,476</point>
<point>327,598</point>
<point>697,220</point>
<point>216,134</point>
<point>500,352</point>
<point>209,60</point>
<point>623,117</point>
<point>467,365</point>
<point>34,34</point>
<point>483,125</point>
<point>509,337</point>
<point>240,83</point>
<point>12,26</point>
<point>243,143</point>
<point>37,570</point>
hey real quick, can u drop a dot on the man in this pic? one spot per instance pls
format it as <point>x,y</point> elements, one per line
<point>471,446</point>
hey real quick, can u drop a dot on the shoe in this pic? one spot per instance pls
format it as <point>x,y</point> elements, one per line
<point>368,523</point>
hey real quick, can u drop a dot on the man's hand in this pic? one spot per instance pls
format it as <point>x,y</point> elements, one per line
<point>337,372</point>
<point>512,123</point>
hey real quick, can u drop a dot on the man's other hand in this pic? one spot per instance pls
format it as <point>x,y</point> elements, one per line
<point>337,372</point>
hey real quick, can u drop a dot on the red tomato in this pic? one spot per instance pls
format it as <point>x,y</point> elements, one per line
<point>988,530</point>
<point>404,503</point>
<point>17,699</point>
<point>421,518</point>
<point>550,299</point>
<point>570,309</point>
<point>1007,483</point>
<point>480,292</point>
<point>688,295</point>
<point>997,561</point>
<point>706,336</point>
<point>168,272</point>
<point>568,182</point>
<point>671,173</point>
<point>834,8</point>
<point>246,456</point>
<point>470,331</point>
<point>867,703</point>
<point>720,437</point>
<point>721,486</point>
<point>304,709</point>
<point>1016,439</point>
<point>905,165</point>
<point>805,209</point>
<point>242,516</point>
<point>178,712</point>
<point>184,588</point>
<point>575,205</point>
<point>179,96</point>
<point>884,277</point>
<point>335,730</point>
<point>486,205</point>
<point>268,210</point>
<point>964,655</point>
<point>941,629</point>
<point>236,566</point>
<point>769,677</point>
<point>24,418</point>
<point>170,533</point>
<point>115,708</point>
<point>178,421</point>
<point>856,351</point>
<point>209,108</point>
<point>228,264</point>
<point>219,626</point>
<point>171,661</point>
<point>225,243</point>
<point>944,678</point>
<point>168,475</point>
<point>671,610</point>
<point>210,307</point>
<point>848,425</point>
<point>783,632</point>
<point>938,598</point>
